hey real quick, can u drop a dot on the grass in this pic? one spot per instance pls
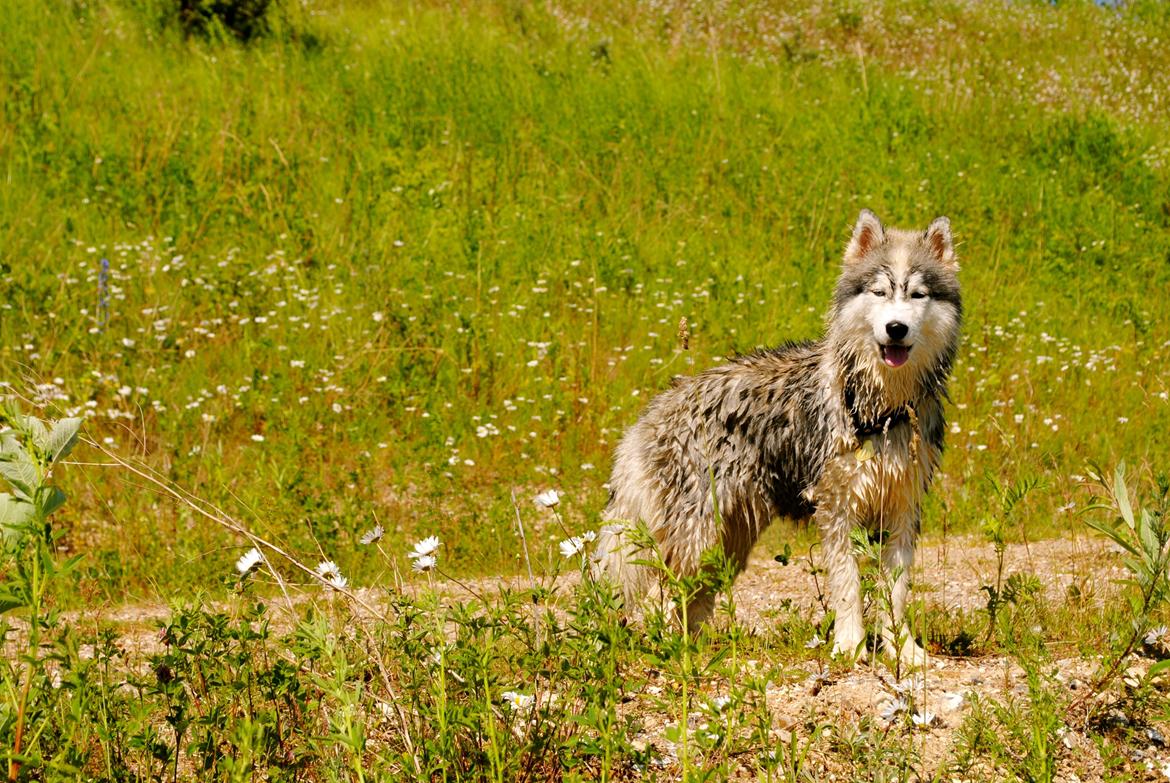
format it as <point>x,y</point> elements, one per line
<point>387,264</point>
<point>437,254</point>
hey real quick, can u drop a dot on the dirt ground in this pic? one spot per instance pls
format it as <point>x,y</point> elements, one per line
<point>948,574</point>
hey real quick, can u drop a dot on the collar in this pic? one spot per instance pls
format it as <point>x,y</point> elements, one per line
<point>883,422</point>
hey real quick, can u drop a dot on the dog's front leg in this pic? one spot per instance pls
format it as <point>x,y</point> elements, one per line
<point>844,582</point>
<point>897,559</point>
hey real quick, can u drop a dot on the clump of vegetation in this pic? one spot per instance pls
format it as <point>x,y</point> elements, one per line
<point>243,20</point>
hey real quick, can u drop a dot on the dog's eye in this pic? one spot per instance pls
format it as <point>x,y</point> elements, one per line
<point>878,292</point>
<point>918,295</point>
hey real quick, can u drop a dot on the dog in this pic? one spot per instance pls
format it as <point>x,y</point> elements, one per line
<point>846,430</point>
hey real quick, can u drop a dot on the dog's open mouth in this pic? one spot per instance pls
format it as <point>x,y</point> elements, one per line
<point>895,355</point>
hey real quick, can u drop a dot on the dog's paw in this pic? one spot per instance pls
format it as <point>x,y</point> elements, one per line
<point>850,647</point>
<point>912,656</point>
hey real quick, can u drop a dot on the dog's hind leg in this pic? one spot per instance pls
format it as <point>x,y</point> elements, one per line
<point>897,559</point>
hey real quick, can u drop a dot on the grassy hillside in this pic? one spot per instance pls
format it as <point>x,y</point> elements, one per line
<point>393,261</point>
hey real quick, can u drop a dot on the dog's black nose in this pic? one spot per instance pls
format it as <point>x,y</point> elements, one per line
<point>897,330</point>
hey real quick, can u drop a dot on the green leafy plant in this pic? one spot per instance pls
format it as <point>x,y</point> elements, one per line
<point>1144,541</point>
<point>996,528</point>
<point>30,449</point>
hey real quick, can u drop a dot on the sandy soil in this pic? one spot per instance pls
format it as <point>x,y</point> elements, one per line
<point>854,700</point>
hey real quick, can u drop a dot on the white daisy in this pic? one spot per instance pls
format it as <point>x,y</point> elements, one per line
<point>373,536</point>
<point>572,546</point>
<point>248,561</point>
<point>337,581</point>
<point>922,718</point>
<point>894,708</point>
<point>327,569</point>
<point>425,548</point>
<point>547,499</point>
<point>814,642</point>
<point>517,702</point>
<point>424,563</point>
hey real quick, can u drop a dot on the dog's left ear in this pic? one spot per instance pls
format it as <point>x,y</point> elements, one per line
<point>939,242</point>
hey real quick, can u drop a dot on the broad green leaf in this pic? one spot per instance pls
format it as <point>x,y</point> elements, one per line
<point>14,514</point>
<point>36,430</point>
<point>20,471</point>
<point>62,438</point>
<point>8,443</point>
<point>1122,495</point>
<point>9,601</point>
<point>50,499</point>
<point>1113,535</point>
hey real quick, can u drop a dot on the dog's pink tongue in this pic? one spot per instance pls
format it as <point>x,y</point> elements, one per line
<point>895,355</point>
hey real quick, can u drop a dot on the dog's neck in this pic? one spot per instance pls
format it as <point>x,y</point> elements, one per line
<point>866,422</point>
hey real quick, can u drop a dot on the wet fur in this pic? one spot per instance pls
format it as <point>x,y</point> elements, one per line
<point>778,432</point>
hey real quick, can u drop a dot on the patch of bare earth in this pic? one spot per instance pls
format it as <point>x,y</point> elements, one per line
<point>864,699</point>
<point>804,692</point>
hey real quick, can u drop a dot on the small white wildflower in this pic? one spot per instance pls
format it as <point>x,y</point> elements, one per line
<point>894,708</point>
<point>424,563</point>
<point>720,702</point>
<point>547,499</point>
<point>922,718</point>
<point>248,561</point>
<point>1156,636</point>
<point>814,642</point>
<point>377,316</point>
<point>517,702</point>
<point>258,438</point>
<point>373,536</point>
<point>589,536</point>
<point>572,546</point>
<point>337,582</point>
<point>327,569</point>
<point>428,546</point>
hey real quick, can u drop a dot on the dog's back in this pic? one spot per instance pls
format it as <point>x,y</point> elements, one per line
<point>746,440</point>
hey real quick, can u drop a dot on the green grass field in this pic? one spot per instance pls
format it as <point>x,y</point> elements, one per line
<point>392,262</point>
<point>430,253</point>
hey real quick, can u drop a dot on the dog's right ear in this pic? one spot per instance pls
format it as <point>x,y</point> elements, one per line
<point>867,234</point>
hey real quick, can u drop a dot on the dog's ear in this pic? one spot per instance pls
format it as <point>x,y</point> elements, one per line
<point>939,242</point>
<point>867,234</point>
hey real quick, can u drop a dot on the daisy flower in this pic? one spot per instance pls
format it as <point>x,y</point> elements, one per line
<point>922,718</point>
<point>248,561</point>
<point>373,536</point>
<point>893,708</point>
<point>327,569</point>
<point>423,563</point>
<point>427,547</point>
<point>547,499</point>
<point>517,702</point>
<point>572,546</point>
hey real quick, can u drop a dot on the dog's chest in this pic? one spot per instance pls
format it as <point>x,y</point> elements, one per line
<point>882,479</point>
